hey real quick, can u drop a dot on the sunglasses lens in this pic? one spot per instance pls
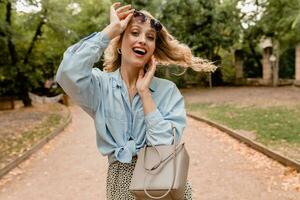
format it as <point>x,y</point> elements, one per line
<point>143,18</point>
<point>156,25</point>
<point>139,16</point>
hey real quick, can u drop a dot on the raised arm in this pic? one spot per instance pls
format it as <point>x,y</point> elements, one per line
<point>76,74</point>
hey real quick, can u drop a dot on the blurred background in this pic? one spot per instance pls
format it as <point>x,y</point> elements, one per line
<point>253,41</point>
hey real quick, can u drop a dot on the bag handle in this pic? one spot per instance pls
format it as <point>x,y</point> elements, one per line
<point>158,164</point>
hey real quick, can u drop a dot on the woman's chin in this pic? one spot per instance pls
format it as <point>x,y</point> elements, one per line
<point>138,64</point>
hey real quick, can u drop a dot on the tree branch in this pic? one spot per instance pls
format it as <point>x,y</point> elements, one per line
<point>10,44</point>
<point>38,33</point>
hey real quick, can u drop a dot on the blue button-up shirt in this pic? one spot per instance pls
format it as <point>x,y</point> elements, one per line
<point>122,129</point>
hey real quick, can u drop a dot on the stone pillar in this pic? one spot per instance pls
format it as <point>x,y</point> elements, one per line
<point>266,45</point>
<point>267,71</point>
<point>297,65</point>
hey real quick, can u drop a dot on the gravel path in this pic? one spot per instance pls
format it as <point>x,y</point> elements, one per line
<point>70,167</point>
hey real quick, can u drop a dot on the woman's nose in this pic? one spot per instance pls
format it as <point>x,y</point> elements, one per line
<point>142,39</point>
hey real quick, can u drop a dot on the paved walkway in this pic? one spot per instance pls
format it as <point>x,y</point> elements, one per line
<point>70,168</point>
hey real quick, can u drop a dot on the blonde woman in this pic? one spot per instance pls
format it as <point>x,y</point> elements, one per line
<point>130,106</point>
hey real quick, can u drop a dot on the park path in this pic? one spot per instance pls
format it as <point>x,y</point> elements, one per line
<point>69,167</point>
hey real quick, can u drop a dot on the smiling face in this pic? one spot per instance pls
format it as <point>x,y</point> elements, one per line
<point>138,44</point>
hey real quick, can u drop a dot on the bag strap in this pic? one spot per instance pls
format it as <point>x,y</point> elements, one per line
<point>158,164</point>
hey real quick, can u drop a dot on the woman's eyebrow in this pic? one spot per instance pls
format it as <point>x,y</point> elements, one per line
<point>150,30</point>
<point>135,26</point>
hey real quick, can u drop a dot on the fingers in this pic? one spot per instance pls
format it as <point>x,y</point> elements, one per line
<point>152,68</point>
<point>123,8</point>
<point>125,13</point>
<point>153,65</point>
<point>127,19</point>
<point>115,5</point>
<point>120,12</point>
<point>153,62</point>
<point>113,15</point>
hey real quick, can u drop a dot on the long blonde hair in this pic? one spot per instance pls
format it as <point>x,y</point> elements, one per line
<point>168,51</point>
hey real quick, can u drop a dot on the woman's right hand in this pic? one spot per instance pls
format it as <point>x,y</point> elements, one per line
<point>119,19</point>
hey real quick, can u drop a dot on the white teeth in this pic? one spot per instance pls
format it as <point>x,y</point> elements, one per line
<point>139,49</point>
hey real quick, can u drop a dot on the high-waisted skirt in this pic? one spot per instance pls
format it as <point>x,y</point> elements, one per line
<point>119,178</point>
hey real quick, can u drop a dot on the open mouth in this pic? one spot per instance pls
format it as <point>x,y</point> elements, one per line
<point>139,51</point>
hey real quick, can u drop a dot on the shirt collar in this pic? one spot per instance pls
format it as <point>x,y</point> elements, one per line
<point>118,78</point>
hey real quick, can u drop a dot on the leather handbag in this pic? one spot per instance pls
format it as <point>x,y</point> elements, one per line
<point>161,172</point>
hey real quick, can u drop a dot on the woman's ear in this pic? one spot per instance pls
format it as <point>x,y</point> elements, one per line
<point>119,48</point>
<point>119,43</point>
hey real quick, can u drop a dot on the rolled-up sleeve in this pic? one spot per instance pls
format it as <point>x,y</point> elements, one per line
<point>76,74</point>
<point>159,122</point>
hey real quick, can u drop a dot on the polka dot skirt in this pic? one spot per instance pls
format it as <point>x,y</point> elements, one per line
<point>118,181</point>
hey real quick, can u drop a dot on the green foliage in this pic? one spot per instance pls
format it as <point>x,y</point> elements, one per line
<point>201,24</point>
<point>211,28</point>
<point>152,6</point>
<point>280,21</point>
<point>228,69</point>
<point>287,64</point>
<point>63,22</point>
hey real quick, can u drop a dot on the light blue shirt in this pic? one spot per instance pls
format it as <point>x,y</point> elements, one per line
<point>122,129</point>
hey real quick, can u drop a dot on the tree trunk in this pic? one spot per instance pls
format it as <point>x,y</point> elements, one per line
<point>38,32</point>
<point>10,44</point>
<point>21,77</point>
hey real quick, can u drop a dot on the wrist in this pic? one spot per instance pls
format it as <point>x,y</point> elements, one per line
<point>144,93</point>
<point>112,30</point>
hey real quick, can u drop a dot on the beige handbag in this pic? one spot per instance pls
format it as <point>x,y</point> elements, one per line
<point>161,172</point>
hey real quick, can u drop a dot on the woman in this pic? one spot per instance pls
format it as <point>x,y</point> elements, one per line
<point>130,107</point>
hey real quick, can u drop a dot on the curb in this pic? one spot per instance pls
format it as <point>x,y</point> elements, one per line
<point>255,145</point>
<point>36,147</point>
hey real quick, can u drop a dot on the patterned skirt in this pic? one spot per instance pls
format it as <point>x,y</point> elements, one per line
<point>118,181</point>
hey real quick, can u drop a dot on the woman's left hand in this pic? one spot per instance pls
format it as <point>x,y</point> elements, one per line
<point>144,80</point>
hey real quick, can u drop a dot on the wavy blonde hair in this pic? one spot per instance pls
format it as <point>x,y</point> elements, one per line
<point>168,51</point>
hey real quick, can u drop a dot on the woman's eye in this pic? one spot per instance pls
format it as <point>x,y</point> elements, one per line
<point>135,33</point>
<point>151,37</point>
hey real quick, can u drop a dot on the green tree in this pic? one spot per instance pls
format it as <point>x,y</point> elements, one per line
<point>33,42</point>
<point>201,25</point>
<point>277,19</point>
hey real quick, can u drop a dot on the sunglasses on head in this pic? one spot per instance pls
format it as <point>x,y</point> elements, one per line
<point>156,25</point>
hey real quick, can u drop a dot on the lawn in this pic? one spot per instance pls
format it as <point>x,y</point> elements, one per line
<point>275,124</point>
<point>270,116</point>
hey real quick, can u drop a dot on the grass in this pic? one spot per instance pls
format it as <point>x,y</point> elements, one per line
<point>271,125</point>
